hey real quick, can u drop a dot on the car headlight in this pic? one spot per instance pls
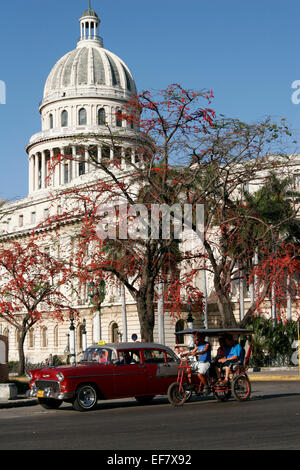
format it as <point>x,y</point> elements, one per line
<point>60,376</point>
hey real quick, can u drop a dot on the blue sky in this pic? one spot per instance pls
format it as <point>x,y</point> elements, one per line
<point>247,52</point>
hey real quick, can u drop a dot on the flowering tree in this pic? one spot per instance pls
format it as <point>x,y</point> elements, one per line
<point>30,289</point>
<point>185,155</point>
<point>163,125</point>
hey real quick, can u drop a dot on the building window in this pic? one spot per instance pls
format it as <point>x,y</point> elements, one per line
<point>66,173</point>
<point>56,336</point>
<point>64,119</point>
<point>80,336</point>
<point>51,121</point>
<point>31,339</point>
<point>179,327</point>
<point>21,220</point>
<point>114,333</point>
<point>81,168</point>
<point>82,117</point>
<point>33,217</point>
<point>118,118</point>
<point>44,337</point>
<point>46,213</point>
<point>101,117</point>
<point>297,181</point>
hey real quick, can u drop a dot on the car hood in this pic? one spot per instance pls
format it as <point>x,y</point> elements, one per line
<point>49,373</point>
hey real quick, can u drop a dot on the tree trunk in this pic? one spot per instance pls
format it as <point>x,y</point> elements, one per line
<point>226,312</point>
<point>224,306</point>
<point>145,307</point>
<point>21,367</point>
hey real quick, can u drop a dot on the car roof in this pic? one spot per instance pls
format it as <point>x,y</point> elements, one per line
<point>133,345</point>
<point>215,331</point>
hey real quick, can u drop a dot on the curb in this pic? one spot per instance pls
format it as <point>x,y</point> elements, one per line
<point>18,403</point>
<point>274,378</point>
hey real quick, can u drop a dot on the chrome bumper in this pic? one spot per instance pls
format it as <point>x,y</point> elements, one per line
<point>50,393</point>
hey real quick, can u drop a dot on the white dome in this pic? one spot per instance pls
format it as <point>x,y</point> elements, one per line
<point>89,70</point>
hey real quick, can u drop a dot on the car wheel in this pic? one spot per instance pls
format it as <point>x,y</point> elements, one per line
<point>241,388</point>
<point>49,403</point>
<point>177,395</point>
<point>86,398</point>
<point>144,400</point>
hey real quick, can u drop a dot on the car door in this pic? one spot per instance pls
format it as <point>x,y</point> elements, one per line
<point>129,378</point>
<point>160,373</point>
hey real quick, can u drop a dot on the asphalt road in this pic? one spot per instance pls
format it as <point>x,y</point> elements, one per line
<point>270,420</point>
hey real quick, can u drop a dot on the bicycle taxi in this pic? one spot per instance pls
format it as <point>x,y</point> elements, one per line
<point>187,381</point>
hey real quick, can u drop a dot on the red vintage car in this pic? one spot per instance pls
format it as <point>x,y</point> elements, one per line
<point>140,370</point>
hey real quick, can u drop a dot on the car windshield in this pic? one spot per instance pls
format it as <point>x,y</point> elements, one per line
<point>100,355</point>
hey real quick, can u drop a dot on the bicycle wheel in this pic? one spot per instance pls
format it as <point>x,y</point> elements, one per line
<point>241,387</point>
<point>177,395</point>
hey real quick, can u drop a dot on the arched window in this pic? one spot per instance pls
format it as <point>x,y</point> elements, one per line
<point>80,336</point>
<point>44,337</point>
<point>118,118</point>
<point>51,121</point>
<point>82,117</point>
<point>56,336</point>
<point>31,339</point>
<point>101,117</point>
<point>179,327</point>
<point>64,119</point>
<point>114,333</point>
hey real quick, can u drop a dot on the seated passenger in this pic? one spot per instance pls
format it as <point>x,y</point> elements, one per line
<point>233,355</point>
<point>102,357</point>
<point>128,358</point>
<point>220,354</point>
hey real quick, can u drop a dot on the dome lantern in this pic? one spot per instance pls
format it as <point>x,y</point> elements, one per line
<point>89,27</point>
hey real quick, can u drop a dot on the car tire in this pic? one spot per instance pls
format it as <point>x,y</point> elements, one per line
<point>145,400</point>
<point>86,398</point>
<point>49,403</point>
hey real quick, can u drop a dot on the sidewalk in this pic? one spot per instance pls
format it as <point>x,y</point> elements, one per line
<point>21,400</point>
<point>275,373</point>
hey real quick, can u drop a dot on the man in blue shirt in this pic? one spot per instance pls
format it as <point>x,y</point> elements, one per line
<point>202,351</point>
<point>233,355</point>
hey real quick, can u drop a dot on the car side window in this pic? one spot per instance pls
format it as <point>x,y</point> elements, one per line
<point>170,358</point>
<point>129,357</point>
<point>153,356</point>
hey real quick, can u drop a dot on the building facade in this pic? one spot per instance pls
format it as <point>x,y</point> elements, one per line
<point>82,96</point>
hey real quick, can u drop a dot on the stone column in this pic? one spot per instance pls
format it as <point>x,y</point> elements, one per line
<point>87,159</point>
<point>123,161</point>
<point>36,172</point>
<point>74,163</point>
<point>43,170</point>
<point>160,314</point>
<point>133,157</point>
<point>99,149</point>
<point>62,167</point>
<point>97,327</point>
<point>111,154</point>
<point>124,315</point>
<point>31,174</point>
